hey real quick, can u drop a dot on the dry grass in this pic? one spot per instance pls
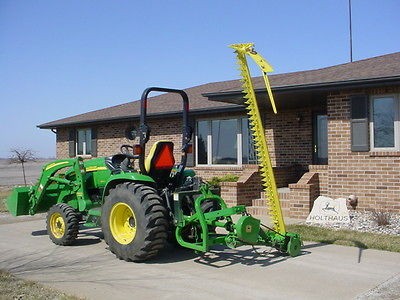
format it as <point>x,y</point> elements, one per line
<point>12,287</point>
<point>364,240</point>
<point>4,192</point>
<point>381,218</point>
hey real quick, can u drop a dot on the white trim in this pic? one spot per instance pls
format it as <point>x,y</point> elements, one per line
<point>396,123</point>
<point>84,152</point>
<point>209,143</point>
<point>239,142</point>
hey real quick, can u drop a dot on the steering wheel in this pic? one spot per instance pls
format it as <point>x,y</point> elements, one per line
<point>128,150</point>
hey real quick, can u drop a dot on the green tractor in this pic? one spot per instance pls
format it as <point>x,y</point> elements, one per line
<point>139,209</point>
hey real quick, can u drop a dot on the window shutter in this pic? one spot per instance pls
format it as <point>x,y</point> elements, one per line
<point>190,156</point>
<point>359,123</point>
<point>72,143</point>
<point>94,142</point>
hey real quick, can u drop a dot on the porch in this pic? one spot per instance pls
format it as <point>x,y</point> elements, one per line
<point>296,199</point>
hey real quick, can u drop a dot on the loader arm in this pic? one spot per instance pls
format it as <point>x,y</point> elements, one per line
<point>257,128</point>
<point>48,176</point>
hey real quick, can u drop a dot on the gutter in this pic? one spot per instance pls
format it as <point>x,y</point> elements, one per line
<point>194,112</point>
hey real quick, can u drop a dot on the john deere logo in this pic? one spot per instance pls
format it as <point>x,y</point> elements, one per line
<point>328,210</point>
<point>248,228</point>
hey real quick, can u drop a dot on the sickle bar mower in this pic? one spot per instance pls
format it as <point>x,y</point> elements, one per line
<point>139,202</point>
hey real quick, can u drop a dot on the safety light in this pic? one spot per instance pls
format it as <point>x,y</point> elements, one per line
<point>137,150</point>
<point>189,148</point>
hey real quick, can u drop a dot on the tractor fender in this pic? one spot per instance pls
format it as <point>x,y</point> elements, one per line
<point>124,177</point>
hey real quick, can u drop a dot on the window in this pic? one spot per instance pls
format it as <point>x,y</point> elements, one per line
<point>84,142</point>
<point>384,123</point>
<point>224,142</point>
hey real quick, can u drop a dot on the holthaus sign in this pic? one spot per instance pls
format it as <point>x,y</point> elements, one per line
<point>328,210</point>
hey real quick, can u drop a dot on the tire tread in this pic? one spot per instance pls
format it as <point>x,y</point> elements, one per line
<point>155,232</point>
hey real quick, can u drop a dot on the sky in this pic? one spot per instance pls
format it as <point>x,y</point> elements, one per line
<point>63,58</point>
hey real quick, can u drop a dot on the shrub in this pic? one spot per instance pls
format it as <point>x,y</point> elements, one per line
<point>381,218</point>
<point>216,180</point>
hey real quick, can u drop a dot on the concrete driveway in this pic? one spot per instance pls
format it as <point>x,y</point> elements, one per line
<point>89,270</point>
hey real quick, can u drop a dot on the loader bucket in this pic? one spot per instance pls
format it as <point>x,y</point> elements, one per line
<point>18,201</point>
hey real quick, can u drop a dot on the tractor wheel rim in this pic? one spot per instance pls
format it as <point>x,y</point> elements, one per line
<point>57,225</point>
<point>122,223</point>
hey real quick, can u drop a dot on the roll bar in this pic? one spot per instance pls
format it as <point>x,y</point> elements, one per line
<point>144,129</point>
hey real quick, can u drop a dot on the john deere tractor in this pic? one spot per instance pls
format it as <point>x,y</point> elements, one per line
<point>141,202</point>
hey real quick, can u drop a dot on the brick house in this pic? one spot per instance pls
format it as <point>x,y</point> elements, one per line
<point>337,133</point>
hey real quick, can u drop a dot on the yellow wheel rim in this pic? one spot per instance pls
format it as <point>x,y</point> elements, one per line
<point>122,223</point>
<point>57,225</point>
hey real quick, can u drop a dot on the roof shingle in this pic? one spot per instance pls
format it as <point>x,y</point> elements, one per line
<point>386,66</point>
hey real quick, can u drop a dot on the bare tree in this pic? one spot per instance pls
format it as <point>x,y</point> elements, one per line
<point>21,156</point>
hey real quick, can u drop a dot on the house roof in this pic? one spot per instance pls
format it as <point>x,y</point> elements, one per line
<point>164,104</point>
<point>377,69</point>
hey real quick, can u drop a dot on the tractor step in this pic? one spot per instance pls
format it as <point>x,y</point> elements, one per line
<point>96,211</point>
<point>93,218</point>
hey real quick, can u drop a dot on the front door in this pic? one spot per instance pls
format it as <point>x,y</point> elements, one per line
<point>320,139</point>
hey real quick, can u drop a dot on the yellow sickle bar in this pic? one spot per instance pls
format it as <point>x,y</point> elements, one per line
<point>257,128</point>
<point>261,62</point>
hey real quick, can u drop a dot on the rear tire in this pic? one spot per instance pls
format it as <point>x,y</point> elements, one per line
<point>62,224</point>
<point>134,222</point>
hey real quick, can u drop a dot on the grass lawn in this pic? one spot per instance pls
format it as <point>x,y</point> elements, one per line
<point>347,237</point>
<point>12,287</point>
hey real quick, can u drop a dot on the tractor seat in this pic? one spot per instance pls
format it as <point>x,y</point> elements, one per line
<point>113,163</point>
<point>160,160</point>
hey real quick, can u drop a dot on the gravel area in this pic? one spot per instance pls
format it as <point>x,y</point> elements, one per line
<point>365,221</point>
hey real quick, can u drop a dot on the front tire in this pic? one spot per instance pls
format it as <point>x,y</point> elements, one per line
<point>134,222</point>
<point>62,224</point>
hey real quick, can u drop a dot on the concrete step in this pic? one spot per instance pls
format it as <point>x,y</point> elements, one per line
<point>263,202</point>
<point>259,202</point>
<point>284,196</point>
<point>283,193</point>
<point>257,210</point>
<point>259,207</point>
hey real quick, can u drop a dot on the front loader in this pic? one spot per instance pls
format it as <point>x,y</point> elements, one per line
<point>141,202</point>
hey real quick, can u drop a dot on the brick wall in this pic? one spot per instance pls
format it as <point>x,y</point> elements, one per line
<point>247,188</point>
<point>285,133</point>
<point>289,136</point>
<point>112,135</point>
<point>372,176</point>
<point>302,195</point>
<point>62,143</point>
<point>208,172</point>
<point>322,171</point>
